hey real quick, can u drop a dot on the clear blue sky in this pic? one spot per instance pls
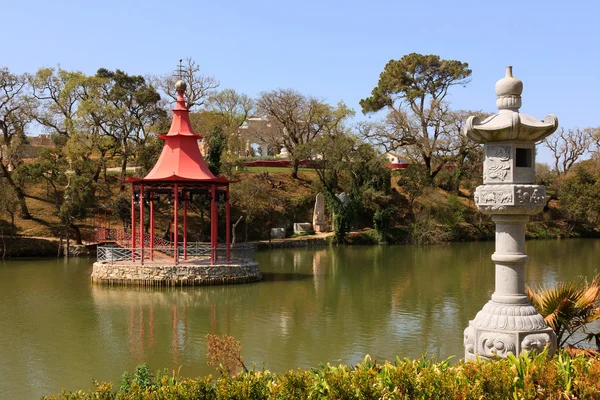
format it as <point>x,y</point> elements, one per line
<point>330,49</point>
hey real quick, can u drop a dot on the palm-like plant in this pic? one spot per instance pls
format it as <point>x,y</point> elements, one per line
<point>569,307</point>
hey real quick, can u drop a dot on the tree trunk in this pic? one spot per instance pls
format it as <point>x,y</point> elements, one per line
<point>104,172</point>
<point>77,233</point>
<point>60,245</point>
<point>12,225</point>
<point>3,242</point>
<point>123,173</point>
<point>56,196</point>
<point>233,229</point>
<point>18,191</point>
<point>246,229</point>
<point>97,173</point>
<point>428,171</point>
<point>295,166</point>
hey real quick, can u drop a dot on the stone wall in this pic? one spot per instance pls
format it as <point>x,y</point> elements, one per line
<point>302,241</point>
<point>174,275</point>
<point>76,250</point>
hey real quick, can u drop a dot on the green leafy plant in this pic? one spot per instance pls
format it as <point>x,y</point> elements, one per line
<point>569,307</point>
<point>142,377</point>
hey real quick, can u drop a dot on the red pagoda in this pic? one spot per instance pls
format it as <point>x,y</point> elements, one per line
<point>182,174</point>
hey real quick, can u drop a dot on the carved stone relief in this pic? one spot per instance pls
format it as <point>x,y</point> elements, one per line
<point>494,197</point>
<point>536,342</point>
<point>469,340</point>
<point>498,163</point>
<point>497,345</point>
<point>530,195</point>
<point>510,199</point>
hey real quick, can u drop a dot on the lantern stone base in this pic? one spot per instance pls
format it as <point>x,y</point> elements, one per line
<point>183,274</point>
<point>501,328</point>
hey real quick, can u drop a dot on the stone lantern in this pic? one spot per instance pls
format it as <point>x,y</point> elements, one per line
<point>508,323</point>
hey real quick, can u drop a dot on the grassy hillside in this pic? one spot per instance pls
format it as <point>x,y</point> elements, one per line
<point>269,197</point>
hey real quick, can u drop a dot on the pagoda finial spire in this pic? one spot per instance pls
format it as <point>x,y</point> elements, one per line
<point>180,85</point>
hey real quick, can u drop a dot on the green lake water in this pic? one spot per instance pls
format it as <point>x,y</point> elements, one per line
<point>334,305</point>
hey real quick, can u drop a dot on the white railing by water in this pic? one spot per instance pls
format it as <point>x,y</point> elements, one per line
<point>242,253</point>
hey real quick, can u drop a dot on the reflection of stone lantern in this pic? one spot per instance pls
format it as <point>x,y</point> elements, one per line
<point>508,323</point>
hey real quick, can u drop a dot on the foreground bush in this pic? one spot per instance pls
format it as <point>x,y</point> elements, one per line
<point>525,377</point>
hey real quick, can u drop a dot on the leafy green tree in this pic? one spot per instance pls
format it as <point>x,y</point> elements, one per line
<point>255,197</point>
<point>216,145</point>
<point>59,97</point>
<point>94,143</point>
<point>74,192</point>
<point>14,116</point>
<point>579,195</point>
<point>330,156</point>
<point>419,120</point>
<point>148,154</point>
<point>121,207</point>
<point>79,199</point>
<point>57,93</point>
<point>344,164</point>
<point>294,119</point>
<point>371,181</point>
<point>51,167</point>
<point>381,223</point>
<point>412,182</point>
<point>465,169</point>
<point>130,106</point>
<point>67,106</point>
<point>232,110</point>
<point>9,203</point>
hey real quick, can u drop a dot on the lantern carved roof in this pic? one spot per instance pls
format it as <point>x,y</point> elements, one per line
<point>509,124</point>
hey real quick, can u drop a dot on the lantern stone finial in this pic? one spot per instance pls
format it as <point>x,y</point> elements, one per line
<point>508,92</point>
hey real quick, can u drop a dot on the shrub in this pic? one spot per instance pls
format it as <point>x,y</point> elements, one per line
<point>523,377</point>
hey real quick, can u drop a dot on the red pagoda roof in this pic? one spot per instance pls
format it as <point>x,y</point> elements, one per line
<point>180,159</point>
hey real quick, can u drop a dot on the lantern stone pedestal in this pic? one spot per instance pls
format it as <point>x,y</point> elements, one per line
<point>508,323</point>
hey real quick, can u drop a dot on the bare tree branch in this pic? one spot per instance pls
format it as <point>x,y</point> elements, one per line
<point>568,146</point>
<point>199,87</point>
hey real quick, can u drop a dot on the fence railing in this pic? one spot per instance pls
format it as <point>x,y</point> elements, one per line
<point>123,237</point>
<point>242,253</point>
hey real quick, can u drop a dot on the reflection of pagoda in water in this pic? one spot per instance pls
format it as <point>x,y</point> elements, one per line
<point>172,321</point>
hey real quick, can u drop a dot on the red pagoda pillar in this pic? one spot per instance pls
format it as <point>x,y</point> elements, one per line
<point>142,224</point>
<point>227,225</point>
<point>185,226</point>
<point>175,216</point>
<point>151,227</point>
<point>213,224</point>
<point>133,223</point>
